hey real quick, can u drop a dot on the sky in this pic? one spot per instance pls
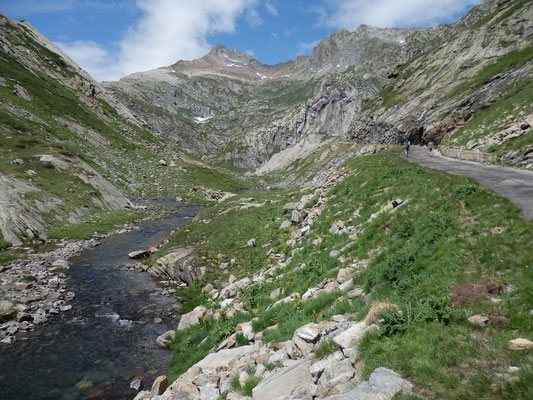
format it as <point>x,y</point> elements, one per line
<point>113,38</point>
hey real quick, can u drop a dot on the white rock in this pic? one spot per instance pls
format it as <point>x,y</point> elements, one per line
<point>165,339</point>
<point>351,336</point>
<point>479,320</point>
<point>346,285</point>
<point>383,384</point>
<point>335,375</point>
<point>285,225</point>
<point>357,292</point>
<point>191,318</point>
<point>284,382</point>
<point>276,293</point>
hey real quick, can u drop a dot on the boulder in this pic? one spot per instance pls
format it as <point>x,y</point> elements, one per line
<point>229,359</point>
<point>143,395</point>
<point>344,274</point>
<point>6,307</point>
<point>20,286</point>
<point>279,356</point>
<point>383,384</point>
<point>180,265</point>
<point>335,376</point>
<point>357,292</point>
<point>191,318</point>
<point>208,288</point>
<point>285,225</point>
<point>479,320</point>
<point>334,253</point>
<point>344,286</point>
<point>243,283</point>
<point>209,392</point>
<point>285,382</point>
<point>276,293</point>
<point>331,287</point>
<point>310,332</point>
<point>296,217</point>
<point>351,336</point>
<point>165,339</point>
<point>251,243</point>
<point>24,317</point>
<point>520,344</point>
<point>136,384</point>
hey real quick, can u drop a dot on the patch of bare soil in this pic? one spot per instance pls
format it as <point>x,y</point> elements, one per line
<point>484,288</point>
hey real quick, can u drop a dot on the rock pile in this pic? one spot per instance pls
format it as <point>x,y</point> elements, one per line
<point>288,370</point>
<point>33,290</point>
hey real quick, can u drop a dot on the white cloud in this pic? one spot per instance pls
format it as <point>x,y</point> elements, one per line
<point>168,30</point>
<point>253,18</point>
<point>91,56</point>
<point>250,52</point>
<point>350,14</point>
<point>271,8</point>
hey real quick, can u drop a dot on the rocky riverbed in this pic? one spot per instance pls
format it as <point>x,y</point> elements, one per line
<point>35,289</point>
<point>103,317</point>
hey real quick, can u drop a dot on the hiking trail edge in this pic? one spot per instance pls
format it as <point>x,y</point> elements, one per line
<point>512,183</point>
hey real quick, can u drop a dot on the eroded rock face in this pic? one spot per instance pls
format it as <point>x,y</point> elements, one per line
<point>19,217</point>
<point>179,265</point>
<point>338,89</point>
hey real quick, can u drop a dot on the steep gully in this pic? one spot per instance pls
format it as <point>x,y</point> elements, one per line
<point>108,338</point>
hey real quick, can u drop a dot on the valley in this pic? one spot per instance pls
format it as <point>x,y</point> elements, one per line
<point>286,247</point>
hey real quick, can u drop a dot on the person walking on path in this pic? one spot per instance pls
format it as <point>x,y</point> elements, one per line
<point>430,148</point>
<point>406,145</point>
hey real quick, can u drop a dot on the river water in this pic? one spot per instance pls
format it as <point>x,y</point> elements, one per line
<point>108,338</point>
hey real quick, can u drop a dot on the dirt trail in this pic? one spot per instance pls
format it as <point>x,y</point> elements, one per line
<point>515,184</point>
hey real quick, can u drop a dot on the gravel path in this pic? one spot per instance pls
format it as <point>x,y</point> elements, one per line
<point>515,184</point>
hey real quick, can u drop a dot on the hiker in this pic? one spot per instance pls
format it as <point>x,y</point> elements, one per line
<point>430,148</point>
<point>407,144</point>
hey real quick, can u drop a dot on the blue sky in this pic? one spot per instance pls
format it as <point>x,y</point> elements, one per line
<point>113,38</point>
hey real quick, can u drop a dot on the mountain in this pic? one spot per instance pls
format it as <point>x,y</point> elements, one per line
<point>70,153</point>
<point>72,147</point>
<point>371,85</point>
<point>227,106</point>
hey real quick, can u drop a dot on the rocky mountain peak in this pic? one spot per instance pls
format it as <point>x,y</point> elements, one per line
<point>223,61</point>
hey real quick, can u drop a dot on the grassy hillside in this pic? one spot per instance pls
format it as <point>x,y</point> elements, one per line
<point>448,231</point>
<point>47,107</point>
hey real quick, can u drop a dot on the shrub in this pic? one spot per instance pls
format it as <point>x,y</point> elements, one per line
<point>466,189</point>
<point>432,309</point>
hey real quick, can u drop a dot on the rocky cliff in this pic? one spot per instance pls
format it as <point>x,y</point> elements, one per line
<point>371,85</point>
<point>227,106</point>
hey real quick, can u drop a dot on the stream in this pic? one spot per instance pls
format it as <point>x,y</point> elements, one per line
<point>108,338</point>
